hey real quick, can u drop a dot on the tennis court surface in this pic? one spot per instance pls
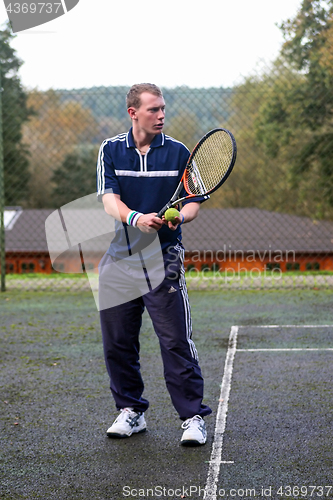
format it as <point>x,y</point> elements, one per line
<point>267,363</point>
<point>277,391</point>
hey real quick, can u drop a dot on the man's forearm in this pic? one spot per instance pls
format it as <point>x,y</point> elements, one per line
<point>115,207</point>
<point>190,211</point>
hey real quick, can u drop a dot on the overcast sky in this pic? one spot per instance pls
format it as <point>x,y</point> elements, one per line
<point>176,42</point>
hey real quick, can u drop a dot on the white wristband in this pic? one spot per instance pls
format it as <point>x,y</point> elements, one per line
<point>132,218</point>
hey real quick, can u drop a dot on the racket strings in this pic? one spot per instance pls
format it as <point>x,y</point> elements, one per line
<point>210,163</point>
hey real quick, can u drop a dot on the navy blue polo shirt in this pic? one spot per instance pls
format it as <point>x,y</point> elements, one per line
<point>145,183</point>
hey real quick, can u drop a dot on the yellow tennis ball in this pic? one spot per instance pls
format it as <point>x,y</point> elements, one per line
<point>171,214</point>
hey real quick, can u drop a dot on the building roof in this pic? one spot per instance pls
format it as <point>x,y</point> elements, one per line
<point>26,231</point>
<point>252,229</point>
<point>230,229</point>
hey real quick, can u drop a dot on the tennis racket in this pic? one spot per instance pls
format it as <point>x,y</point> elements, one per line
<point>208,167</point>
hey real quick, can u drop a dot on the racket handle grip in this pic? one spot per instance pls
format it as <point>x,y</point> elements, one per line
<point>164,209</point>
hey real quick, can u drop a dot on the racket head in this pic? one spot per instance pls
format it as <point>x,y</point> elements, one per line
<point>210,163</point>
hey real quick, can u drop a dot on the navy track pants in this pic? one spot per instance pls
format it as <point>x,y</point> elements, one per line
<point>169,310</point>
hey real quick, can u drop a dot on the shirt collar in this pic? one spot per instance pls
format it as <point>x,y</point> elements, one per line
<point>158,140</point>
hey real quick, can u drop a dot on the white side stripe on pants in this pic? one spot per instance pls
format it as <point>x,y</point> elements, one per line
<point>183,289</point>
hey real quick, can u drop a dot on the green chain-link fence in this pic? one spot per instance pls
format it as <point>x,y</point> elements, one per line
<point>270,225</point>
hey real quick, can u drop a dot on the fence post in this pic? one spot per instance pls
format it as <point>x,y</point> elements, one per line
<point>2,202</point>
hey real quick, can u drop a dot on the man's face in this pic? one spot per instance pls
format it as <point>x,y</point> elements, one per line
<point>149,116</point>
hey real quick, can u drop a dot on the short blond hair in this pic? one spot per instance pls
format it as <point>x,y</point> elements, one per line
<point>133,97</point>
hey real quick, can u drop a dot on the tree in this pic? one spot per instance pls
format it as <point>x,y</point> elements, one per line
<point>76,177</point>
<point>301,114</point>
<point>53,133</point>
<point>183,127</point>
<point>15,113</point>
<point>257,180</point>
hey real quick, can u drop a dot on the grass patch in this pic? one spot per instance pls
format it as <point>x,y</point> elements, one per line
<point>254,274</point>
<point>191,274</point>
<point>44,276</point>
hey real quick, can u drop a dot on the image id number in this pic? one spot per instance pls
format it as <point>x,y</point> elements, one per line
<point>304,491</point>
<point>33,8</point>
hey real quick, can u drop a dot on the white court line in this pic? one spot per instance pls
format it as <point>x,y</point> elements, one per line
<point>285,326</point>
<point>221,417</point>
<point>287,349</point>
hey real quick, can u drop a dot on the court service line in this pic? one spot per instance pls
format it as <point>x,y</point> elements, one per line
<point>221,417</point>
<point>283,349</point>
<point>285,326</point>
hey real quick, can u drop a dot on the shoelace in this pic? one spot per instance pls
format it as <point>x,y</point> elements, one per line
<point>125,413</point>
<point>129,416</point>
<point>191,421</point>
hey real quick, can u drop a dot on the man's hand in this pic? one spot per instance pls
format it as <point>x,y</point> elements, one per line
<point>148,223</point>
<point>173,225</point>
<point>189,212</point>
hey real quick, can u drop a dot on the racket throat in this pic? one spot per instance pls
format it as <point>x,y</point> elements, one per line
<point>165,208</point>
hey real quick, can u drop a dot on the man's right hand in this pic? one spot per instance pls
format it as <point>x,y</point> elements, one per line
<point>148,223</point>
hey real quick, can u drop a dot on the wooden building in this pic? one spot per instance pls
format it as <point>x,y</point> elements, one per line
<point>234,239</point>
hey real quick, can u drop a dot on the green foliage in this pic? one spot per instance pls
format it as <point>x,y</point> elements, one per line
<point>76,177</point>
<point>308,48</point>
<point>257,180</point>
<point>295,121</point>
<point>306,34</point>
<point>57,127</point>
<point>184,128</point>
<point>14,113</point>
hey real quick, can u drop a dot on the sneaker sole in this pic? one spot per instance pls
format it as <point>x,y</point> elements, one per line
<point>191,442</point>
<point>123,436</point>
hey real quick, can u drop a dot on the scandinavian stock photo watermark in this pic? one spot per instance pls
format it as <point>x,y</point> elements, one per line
<point>82,236</point>
<point>124,262</point>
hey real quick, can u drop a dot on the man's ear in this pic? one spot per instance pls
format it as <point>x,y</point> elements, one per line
<point>132,112</point>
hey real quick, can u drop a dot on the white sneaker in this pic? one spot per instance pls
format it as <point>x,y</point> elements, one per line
<point>195,431</point>
<point>127,423</point>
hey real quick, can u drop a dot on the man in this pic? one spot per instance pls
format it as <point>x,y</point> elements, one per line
<point>137,173</point>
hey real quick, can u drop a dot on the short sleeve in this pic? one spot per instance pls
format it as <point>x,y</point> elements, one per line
<point>107,181</point>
